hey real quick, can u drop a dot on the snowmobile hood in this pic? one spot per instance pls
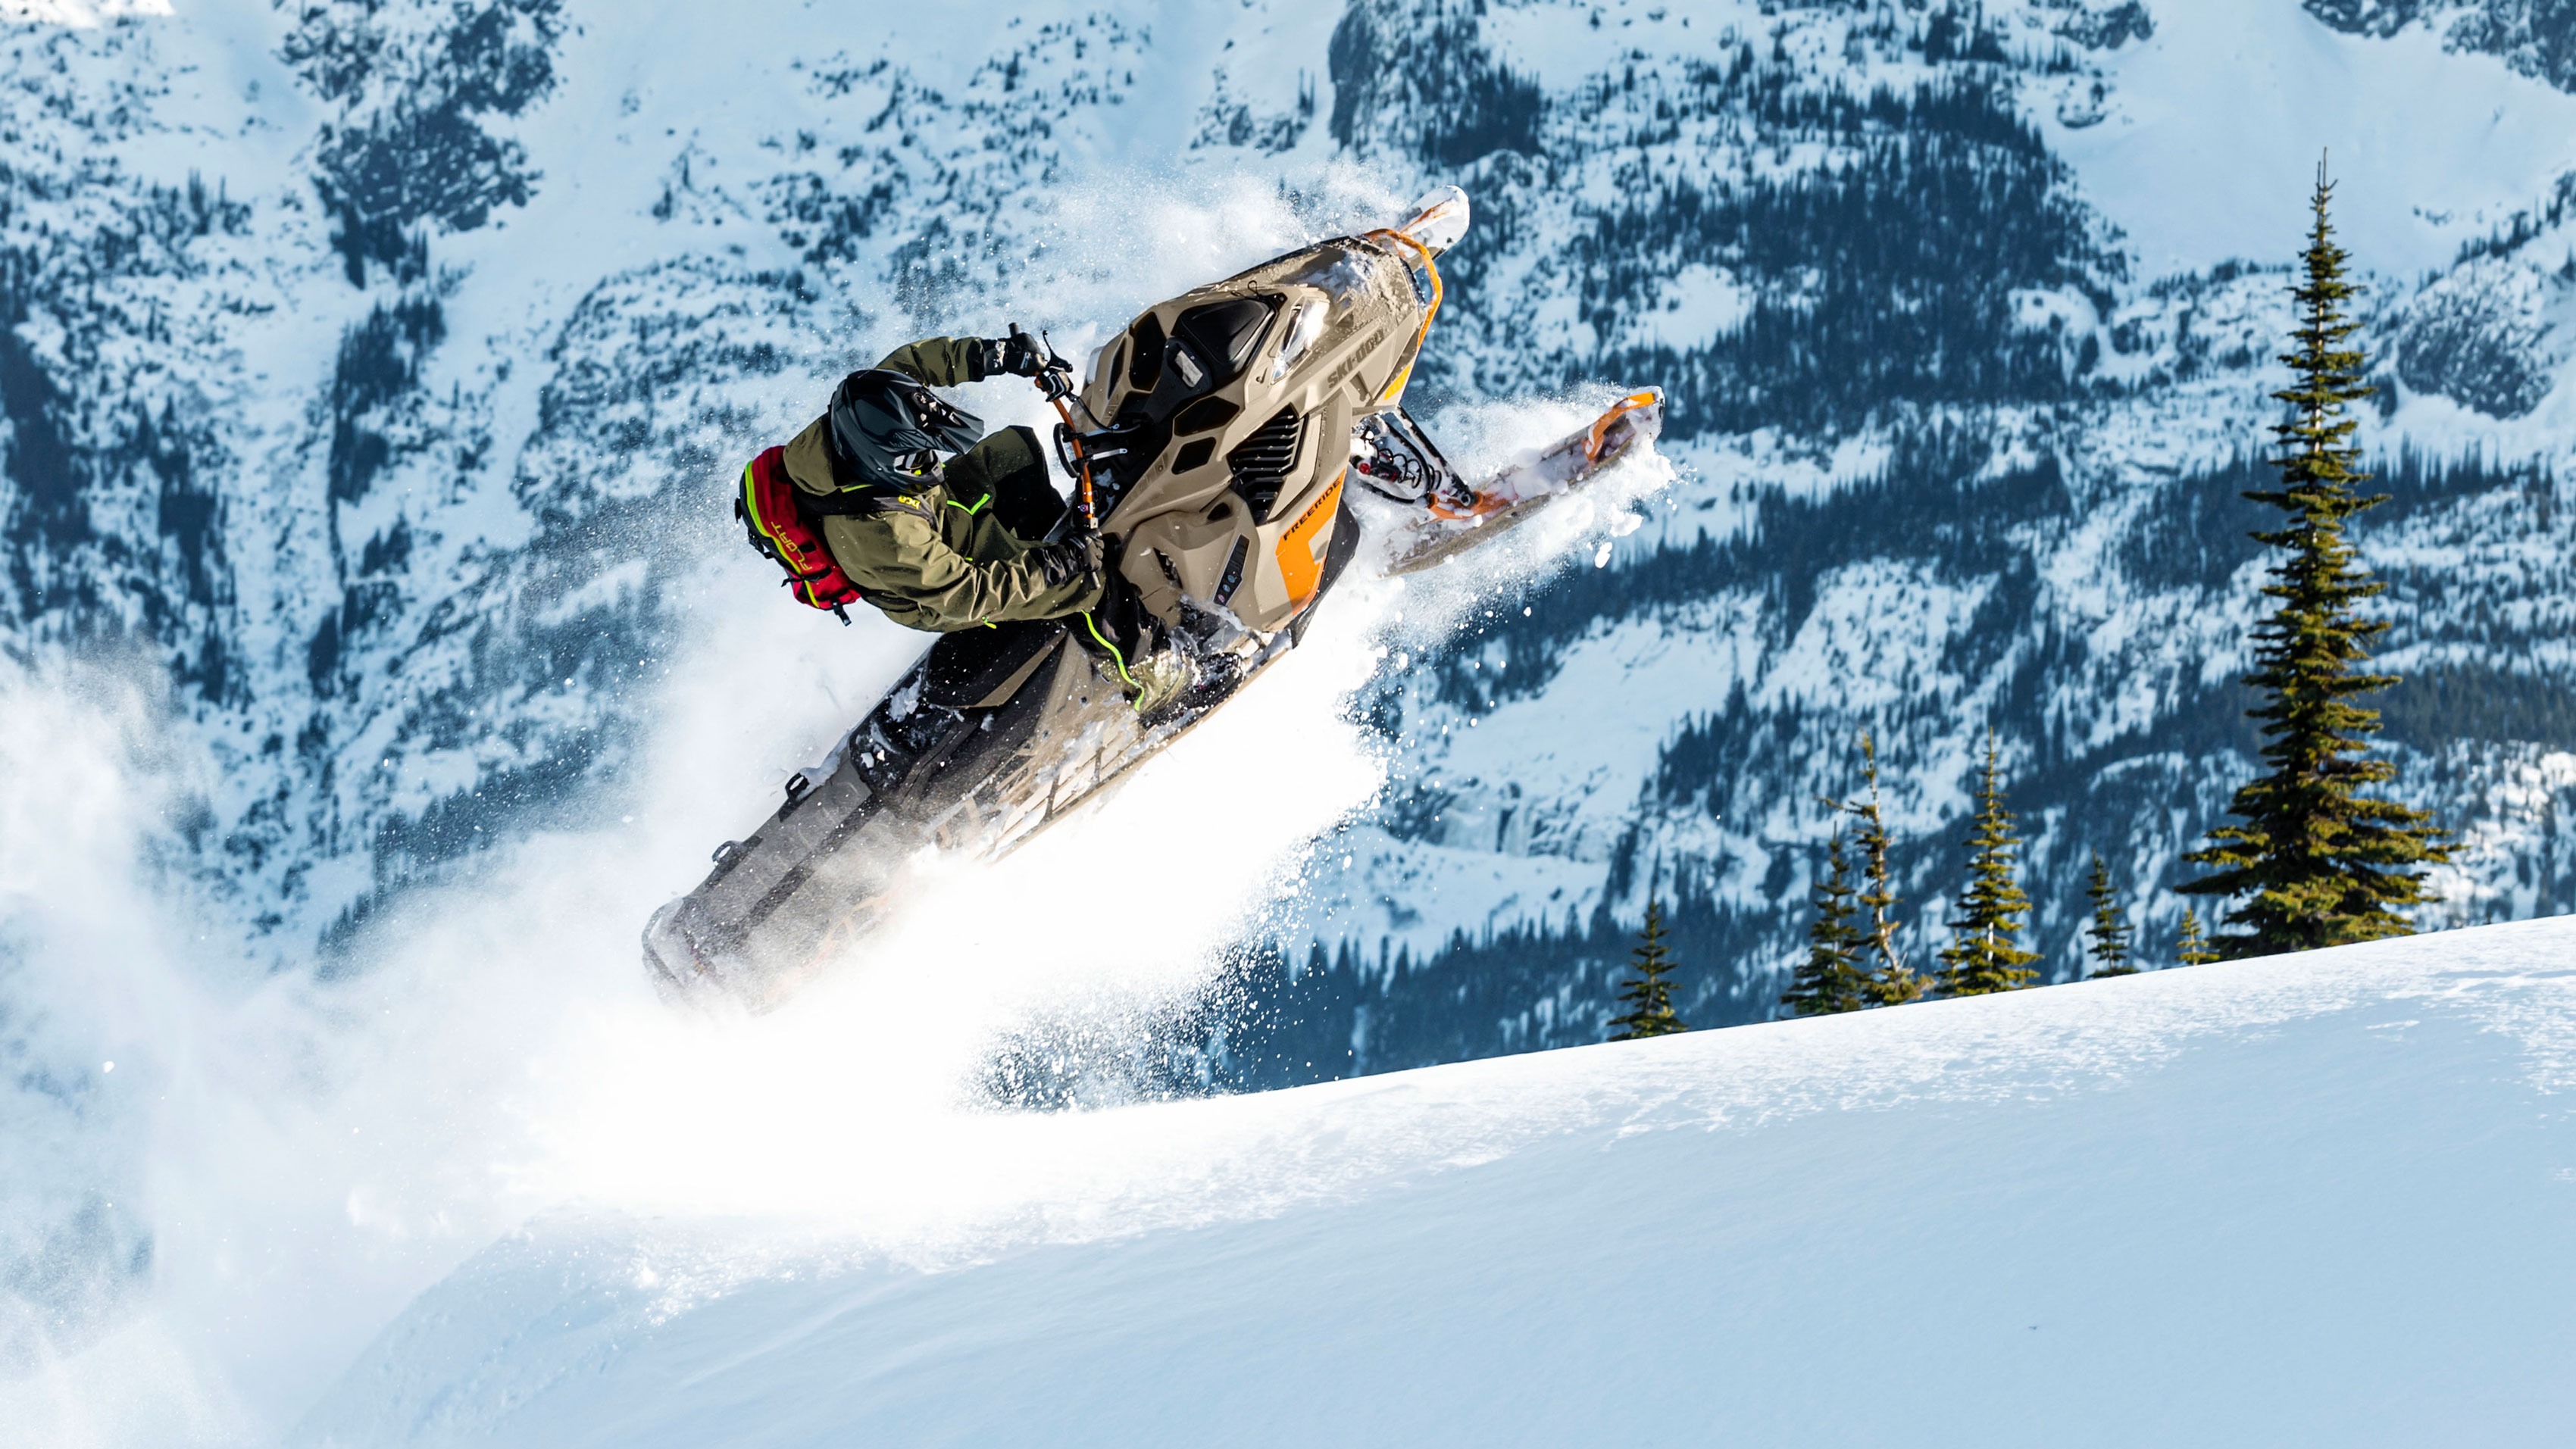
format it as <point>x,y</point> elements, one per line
<point>888,430</point>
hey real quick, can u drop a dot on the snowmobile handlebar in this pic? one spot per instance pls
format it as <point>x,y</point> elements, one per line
<point>1054,378</point>
<point>1082,460</point>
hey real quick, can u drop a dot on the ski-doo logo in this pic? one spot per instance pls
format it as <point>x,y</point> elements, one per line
<point>1352,363</point>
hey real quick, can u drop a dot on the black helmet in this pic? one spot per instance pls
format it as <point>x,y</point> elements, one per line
<point>888,430</point>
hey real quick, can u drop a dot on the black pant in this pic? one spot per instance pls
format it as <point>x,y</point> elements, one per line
<point>1010,468</point>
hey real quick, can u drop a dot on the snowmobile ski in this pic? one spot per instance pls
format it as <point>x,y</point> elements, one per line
<point>1473,517</point>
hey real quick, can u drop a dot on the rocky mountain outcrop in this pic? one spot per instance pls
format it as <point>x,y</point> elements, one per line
<point>2535,37</point>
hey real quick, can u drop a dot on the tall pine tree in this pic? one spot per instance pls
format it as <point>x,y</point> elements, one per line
<point>1648,994</point>
<point>1833,978</point>
<point>1985,954</point>
<point>2317,862</point>
<point>2110,930</point>
<point>1890,982</point>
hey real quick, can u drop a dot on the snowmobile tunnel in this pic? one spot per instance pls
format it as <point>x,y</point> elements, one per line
<point>983,668</point>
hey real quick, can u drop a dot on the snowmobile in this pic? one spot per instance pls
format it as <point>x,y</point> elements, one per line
<point>1213,442</point>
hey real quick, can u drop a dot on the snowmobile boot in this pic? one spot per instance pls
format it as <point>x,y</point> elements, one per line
<point>1160,678</point>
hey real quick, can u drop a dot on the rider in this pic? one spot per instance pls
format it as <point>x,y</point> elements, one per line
<point>944,545</point>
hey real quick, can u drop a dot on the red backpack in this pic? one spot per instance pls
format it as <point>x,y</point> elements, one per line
<point>773,513</point>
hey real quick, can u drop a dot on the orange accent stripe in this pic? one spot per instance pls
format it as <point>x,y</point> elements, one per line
<point>1081,456</point>
<point>1296,551</point>
<point>1395,384</point>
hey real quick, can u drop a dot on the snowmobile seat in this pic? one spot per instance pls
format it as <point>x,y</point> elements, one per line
<point>983,668</point>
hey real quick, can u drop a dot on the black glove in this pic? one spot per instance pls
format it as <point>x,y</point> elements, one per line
<point>1077,555</point>
<point>1018,354</point>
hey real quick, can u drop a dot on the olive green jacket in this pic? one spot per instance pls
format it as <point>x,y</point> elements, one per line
<point>936,558</point>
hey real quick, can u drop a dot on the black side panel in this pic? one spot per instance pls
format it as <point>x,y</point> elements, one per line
<point>1145,362</point>
<point>1205,415</point>
<point>1233,579</point>
<point>1337,557</point>
<point>966,666</point>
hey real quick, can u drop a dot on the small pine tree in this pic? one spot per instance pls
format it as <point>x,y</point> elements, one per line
<point>2316,862</point>
<point>1833,978</point>
<point>2110,948</point>
<point>1890,981</point>
<point>2191,946</point>
<point>1648,994</point>
<point>1986,955</point>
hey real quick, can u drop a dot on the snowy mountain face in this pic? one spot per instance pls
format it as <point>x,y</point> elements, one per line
<point>1964,451</point>
<point>374,373</point>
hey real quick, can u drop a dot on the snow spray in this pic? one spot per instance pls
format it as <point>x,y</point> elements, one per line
<point>275,1163</point>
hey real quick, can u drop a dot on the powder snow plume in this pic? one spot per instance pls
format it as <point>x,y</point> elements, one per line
<point>228,1178</point>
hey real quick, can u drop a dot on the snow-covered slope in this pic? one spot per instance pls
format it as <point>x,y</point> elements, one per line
<point>2329,1199</point>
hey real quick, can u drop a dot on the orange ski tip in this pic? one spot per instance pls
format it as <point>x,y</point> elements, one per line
<point>1601,425</point>
<point>1434,215</point>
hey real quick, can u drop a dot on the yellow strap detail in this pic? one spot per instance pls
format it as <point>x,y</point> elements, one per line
<point>751,506</point>
<point>1115,655</point>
